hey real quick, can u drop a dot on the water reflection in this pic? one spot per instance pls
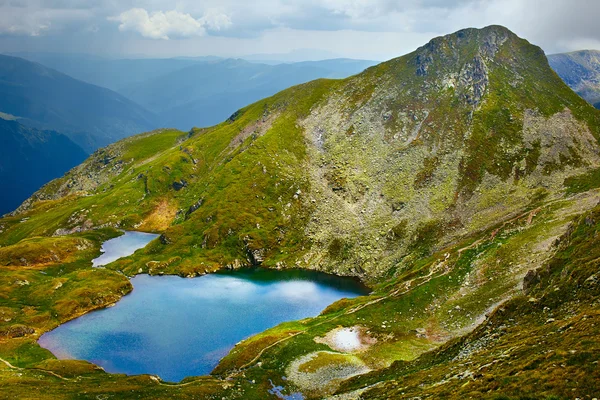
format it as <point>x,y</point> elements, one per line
<point>175,327</point>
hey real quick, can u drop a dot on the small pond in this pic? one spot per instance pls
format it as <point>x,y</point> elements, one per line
<point>177,327</point>
<point>122,246</point>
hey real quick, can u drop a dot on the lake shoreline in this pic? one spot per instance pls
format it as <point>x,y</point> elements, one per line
<point>296,289</point>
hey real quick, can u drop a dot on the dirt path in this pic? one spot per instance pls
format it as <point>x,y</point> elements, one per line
<point>9,365</point>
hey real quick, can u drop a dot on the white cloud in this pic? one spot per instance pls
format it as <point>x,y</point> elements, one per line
<point>215,20</point>
<point>165,25</point>
<point>30,29</point>
<point>360,9</point>
<point>219,288</point>
<point>294,291</point>
<point>377,29</point>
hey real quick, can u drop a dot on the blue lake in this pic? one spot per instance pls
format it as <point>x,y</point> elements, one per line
<point>177,327</point>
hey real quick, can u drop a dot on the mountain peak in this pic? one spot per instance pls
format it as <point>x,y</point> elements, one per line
<point>466,45</point>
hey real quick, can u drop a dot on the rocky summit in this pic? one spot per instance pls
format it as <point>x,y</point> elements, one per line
<point>458,181</point>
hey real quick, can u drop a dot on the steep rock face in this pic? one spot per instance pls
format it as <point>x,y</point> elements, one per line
<point>581,71</point>
<point>362,176</point>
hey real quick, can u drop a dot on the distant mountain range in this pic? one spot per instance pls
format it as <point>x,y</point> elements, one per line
<point>90,115</point>
<point>113,74</point>
<point>29,158</point>
<point>206,93</point>
<point>195,91</point>
<point>581,71</point>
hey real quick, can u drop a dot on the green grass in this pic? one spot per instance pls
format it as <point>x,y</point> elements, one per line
<point>425,223</point>
<point>584,182</point>
<point>533,357</point>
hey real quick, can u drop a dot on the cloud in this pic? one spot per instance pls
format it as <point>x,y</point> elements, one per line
<point>215,21</point>
<point>219,288</point>
<point>26,29</point>
<point>18,20</point>
<point>169,24</point>
<point>294,292</point>
<point>378,29</point>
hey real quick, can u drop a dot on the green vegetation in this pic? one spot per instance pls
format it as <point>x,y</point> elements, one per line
<point>584,182</point>
<point>541,343</point>
<point>443,179</point>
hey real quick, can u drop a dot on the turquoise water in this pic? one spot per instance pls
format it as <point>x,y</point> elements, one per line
<point>176,327</point>
<point>122,246</point>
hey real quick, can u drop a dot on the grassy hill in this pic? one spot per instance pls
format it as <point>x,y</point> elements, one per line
<point>459,181</point>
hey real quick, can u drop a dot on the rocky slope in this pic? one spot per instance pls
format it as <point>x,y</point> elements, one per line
<point>547,333</point>
<point>581,71</point>
<point>444,179</point>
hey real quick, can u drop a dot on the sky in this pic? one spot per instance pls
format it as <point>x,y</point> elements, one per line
<point>306,29</point>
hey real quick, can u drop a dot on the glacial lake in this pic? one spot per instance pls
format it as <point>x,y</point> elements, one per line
<point>176,327</point>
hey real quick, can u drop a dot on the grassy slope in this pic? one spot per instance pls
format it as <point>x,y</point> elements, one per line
<point>541,344</point>
<point>392,315</point>
<point>253,175</point>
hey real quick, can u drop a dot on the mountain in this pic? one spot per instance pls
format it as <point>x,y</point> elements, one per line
<point>30,158</point>
<point>110,73</point>
<point>46,99</point>
<point>581,71</point>
<point>296,55</point>
<point>460,181</point>
<point>206,93</point>
<point>339,67</point>
<point>194,91</point>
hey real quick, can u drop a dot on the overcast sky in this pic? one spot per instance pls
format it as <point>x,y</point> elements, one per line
<point>368,29</point>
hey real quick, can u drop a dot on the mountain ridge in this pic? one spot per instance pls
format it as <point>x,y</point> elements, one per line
<point>30,158</point>
<point>520,161</point>
<point>90,115</point>
<point>581,71</point>
<point>459,181</point>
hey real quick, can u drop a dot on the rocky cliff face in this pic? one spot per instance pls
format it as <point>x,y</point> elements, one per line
<point>361,176</point>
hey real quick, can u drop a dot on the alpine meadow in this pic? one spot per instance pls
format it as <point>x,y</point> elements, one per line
<point>450,197</point>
